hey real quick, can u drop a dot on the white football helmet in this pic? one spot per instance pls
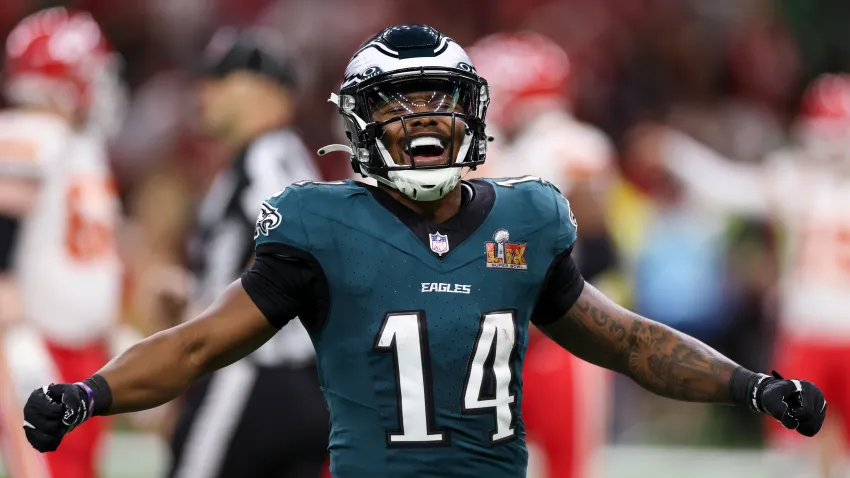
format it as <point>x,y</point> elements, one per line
<point>401,60</point>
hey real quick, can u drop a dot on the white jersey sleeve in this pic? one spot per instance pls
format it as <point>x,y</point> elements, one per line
<point>30,143</point>
<point>585,154</point>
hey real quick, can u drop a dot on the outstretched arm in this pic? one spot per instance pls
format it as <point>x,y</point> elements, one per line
<point>159,368</point>
<point>156,370</point>
<point>674,365</point>
<point>669,363</point>
<point>655,356</point>
<point>719,181</point>
<point>152,372</point>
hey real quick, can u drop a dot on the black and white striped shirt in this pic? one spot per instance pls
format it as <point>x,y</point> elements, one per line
<point>223,241</point>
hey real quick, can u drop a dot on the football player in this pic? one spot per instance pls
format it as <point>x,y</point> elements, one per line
<point>418,293</point>
<point>59,210</point>
<point>804,188</point>
<point>536,133</point>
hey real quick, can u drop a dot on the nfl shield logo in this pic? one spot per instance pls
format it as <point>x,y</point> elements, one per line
<point>439,243</point>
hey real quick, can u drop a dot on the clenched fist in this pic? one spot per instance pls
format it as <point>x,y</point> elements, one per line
<point>797,404</point>
<point>52,411</point>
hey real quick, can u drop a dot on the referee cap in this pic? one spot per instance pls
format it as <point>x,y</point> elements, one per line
<point>258,49</point>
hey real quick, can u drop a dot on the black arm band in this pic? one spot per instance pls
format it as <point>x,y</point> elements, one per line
<point>561,289</point>
<point>8,232</point>
<point>744,386</point>
<point>101,394</point>
<point>285,282</point>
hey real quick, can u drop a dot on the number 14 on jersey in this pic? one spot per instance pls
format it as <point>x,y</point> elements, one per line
<point>405,335</point>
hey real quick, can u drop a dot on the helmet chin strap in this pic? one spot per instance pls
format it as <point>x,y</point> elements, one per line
<point>414,183</point>
<point>410,182</point>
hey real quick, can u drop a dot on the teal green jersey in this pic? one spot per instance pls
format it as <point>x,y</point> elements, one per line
<point>420,329</point>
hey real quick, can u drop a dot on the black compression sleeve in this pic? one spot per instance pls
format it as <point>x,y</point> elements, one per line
<point>561,289</point>
<point>8,233</point>
<point>285,283</point>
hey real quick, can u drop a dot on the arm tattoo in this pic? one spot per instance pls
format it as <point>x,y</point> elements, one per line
<point>655,356</point>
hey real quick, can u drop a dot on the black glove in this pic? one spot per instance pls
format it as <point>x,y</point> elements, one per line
<point>797,404</point>
<point>53,411</point>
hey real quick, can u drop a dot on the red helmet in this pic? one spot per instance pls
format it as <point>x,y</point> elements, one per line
<point>824,120</point>
<point>827,98</point>
<point>523,68</point>
<point>54,57</point>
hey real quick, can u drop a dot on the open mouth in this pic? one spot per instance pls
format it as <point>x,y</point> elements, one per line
<point>427,150</point>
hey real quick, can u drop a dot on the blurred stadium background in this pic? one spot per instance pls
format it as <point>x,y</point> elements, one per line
<point>728,72</point>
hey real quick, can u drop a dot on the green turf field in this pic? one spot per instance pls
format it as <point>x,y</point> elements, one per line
<point>131,455</point>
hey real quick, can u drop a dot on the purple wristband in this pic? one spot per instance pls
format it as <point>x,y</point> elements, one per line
<point>90,395</point>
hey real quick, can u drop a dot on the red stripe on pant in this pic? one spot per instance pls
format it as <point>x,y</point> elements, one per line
<point>824,363</point>
<point>78,455</point>
<point>548,407</point>
<point>565,404</point>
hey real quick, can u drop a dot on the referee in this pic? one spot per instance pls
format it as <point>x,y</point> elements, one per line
<point>263,416</point>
